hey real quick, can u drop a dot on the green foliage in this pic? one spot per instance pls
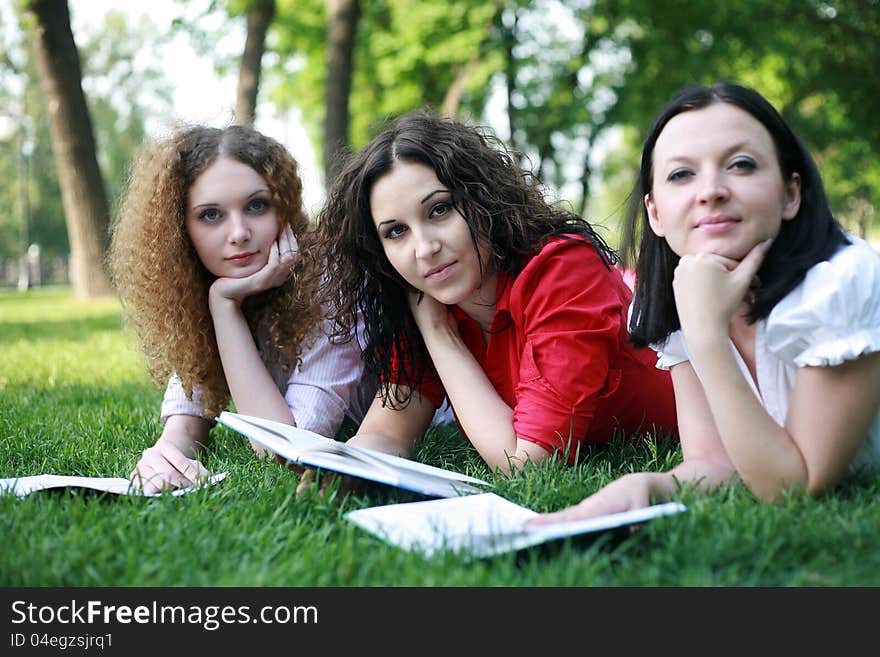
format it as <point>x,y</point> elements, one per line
<point>121,90</point>
<point>79,402</point>
<point>814,60</point>
<point>407,55</point>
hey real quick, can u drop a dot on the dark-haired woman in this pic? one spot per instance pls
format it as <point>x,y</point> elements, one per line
<point>764,310</point>
<point>477,290</point>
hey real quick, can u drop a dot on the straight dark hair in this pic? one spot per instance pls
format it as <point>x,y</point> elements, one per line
<point>812,236</point>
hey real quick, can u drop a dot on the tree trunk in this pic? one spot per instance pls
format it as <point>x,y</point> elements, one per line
<point>259,16</point>
<point>510,70</point>
<point>73,143</point>
<point>452,100</point>
<point>342,19</point>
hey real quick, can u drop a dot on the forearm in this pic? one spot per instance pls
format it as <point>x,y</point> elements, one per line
<point>253,390</point>
<point>765,456</point>
<point>187,433</point>
<point>484,416</point>
<point>382,443</point>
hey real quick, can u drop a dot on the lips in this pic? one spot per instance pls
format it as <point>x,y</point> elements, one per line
<point>716,224</point>
<point>715,219</point>
<point>240,258</point>
<point>440,272</point>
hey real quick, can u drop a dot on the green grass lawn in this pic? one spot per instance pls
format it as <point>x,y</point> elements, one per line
<point>75,399</point>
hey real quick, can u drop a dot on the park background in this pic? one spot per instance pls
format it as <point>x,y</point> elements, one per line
<point>571,86</point>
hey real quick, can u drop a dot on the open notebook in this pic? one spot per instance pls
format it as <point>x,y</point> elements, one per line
<point>312,450</point>
<point>482,525</point>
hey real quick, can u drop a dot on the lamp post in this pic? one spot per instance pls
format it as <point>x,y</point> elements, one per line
<point>9,126</point>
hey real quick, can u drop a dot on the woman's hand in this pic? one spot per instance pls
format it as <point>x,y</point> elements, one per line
<point>709,289</point>
<point>430,314</point>
<point>632,491</point>
<point>164,466</point>
<point>283,255</point>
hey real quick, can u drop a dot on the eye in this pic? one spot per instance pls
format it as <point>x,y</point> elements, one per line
<point>210,215</point>
<point>678,175</point>
<point>257,205</point>
<point>394,231</point>
<point>439,209</point>
<point>743,164</point>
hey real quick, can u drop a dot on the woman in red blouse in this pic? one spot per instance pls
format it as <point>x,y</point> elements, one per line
<point>476,290</point>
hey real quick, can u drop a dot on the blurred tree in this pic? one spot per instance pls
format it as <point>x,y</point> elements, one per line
<point>82,189</point>
<point>342,23</point>
<point>259,16</point>
<point>123,90</point>
<point>407,54</point>
<point>815,60</point>
<point>559,74</point>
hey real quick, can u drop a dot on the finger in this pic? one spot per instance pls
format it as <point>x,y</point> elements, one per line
<point>707,257</point>
<point>589,508</point>
<point>147,473</point>
<point>283,239</point>
<point>148,480</point>
<point>190,471</point>
<point>749,266</point>
<point>274,254</point>
<point>288,247</point>
<point>305,482</point>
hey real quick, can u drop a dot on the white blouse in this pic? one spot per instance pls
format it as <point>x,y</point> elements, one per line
<point>831,317</point>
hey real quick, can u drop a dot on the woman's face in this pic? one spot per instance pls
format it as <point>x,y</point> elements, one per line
<point>424,237</point>
<point>718,186</point>
<point>231,219</point>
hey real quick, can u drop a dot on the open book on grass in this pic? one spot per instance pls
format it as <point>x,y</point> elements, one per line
<point>482,525</point>
<point>312,450</point>
<point>22,486</point>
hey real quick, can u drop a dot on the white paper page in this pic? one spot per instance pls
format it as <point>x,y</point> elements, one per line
<point>560,530</point>
<point>480,525</point>
<point>22,486</point>
<point>423,468</point>
<point>266,432</point>
<point>461,523</point>
<point>308,448</point>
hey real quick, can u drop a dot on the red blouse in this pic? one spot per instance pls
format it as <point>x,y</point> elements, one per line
<point>558,353</point>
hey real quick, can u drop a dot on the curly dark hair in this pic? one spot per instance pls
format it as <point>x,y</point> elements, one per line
<point>163,284</point>
<point>505,207</point>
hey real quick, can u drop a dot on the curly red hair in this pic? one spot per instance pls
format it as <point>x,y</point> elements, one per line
<point>163,284</point>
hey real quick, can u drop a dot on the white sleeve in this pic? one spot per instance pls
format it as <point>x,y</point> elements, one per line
<point>329,385</point>
<point>834,314</point>
<point>175,402</point>
<point>672,352</point>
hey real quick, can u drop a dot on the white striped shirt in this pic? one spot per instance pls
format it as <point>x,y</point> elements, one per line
<point>330,385</point>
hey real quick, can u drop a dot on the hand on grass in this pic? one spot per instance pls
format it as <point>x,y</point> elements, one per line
<point>163,467</point>
<point>308,481</point>
<point>632,491</point>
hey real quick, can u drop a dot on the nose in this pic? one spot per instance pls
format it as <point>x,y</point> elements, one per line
<point>426,244</point>
<point>712,188</point>
<point>239,231</point>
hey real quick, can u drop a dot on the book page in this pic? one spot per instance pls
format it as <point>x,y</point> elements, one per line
<point>480,525</point>
<point>22,486</point>
<point>310,449</point>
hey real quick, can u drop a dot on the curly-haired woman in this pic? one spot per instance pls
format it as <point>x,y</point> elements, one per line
<point>476,289</point>
<point>212,256</point>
